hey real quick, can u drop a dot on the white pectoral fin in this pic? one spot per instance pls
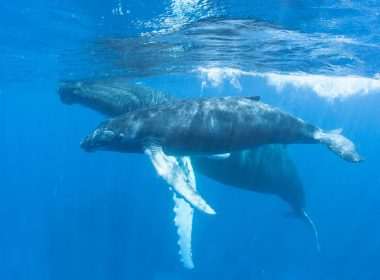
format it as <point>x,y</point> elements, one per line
<point>179,174</point>
<point>184,222</point>
<point>219,156</point>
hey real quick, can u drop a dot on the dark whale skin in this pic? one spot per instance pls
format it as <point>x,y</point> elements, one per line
<point>203,127</point>
<point>111,97</point>
<point>266,169</point>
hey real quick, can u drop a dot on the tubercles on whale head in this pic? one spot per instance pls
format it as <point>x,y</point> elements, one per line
<point>68,91</point>
<point>110,137</point>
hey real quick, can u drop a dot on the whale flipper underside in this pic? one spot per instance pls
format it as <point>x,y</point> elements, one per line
<point>179,174</point>
<point>184,222</point>
<point>184,216</point>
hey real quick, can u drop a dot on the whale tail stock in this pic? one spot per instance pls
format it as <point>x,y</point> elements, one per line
<point>339,144</point>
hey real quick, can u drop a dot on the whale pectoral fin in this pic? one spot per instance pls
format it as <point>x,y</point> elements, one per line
<point>184,221</point>
<point>179,174</point>
<point>219,156</point>
<point>339,144</point>
<point>254,98</point>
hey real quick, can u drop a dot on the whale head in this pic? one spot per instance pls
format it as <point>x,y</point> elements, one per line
<point>100,139</point>
<point>110,136</point>
<point>71,92</point>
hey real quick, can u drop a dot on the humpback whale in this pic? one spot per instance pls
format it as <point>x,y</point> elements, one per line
<point>111,97</point>
<point>210,126</point>
<point>266,169</point>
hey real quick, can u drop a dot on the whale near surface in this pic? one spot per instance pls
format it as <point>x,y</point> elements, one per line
<point>111,97</point>
<point>211,126</point>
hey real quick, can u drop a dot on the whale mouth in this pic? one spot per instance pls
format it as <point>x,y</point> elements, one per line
<point>97,139</point>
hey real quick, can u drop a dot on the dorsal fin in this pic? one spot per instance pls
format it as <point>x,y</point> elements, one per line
<point>254,98</point>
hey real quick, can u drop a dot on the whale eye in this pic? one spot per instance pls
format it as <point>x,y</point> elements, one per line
<point>108,133</point>
<point>103,136</point>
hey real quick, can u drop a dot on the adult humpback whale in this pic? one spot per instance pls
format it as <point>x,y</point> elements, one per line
<point>210,126</point>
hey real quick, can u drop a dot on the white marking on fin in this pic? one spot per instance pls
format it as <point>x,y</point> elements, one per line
<point>184,222</point>
<point>310,222</point>
<point>220,156</point>
<point>336,131</point>
<point>178,173</point>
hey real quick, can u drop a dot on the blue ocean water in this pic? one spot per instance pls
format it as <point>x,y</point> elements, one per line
<point>67,214</point>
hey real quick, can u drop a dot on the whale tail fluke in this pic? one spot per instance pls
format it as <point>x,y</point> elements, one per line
<point>339,144</point>
<point>305,217</point>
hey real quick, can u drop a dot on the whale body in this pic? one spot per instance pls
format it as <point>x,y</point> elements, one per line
<point>266,169</point>
<point>211,126</point>
<point>111,97</point>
